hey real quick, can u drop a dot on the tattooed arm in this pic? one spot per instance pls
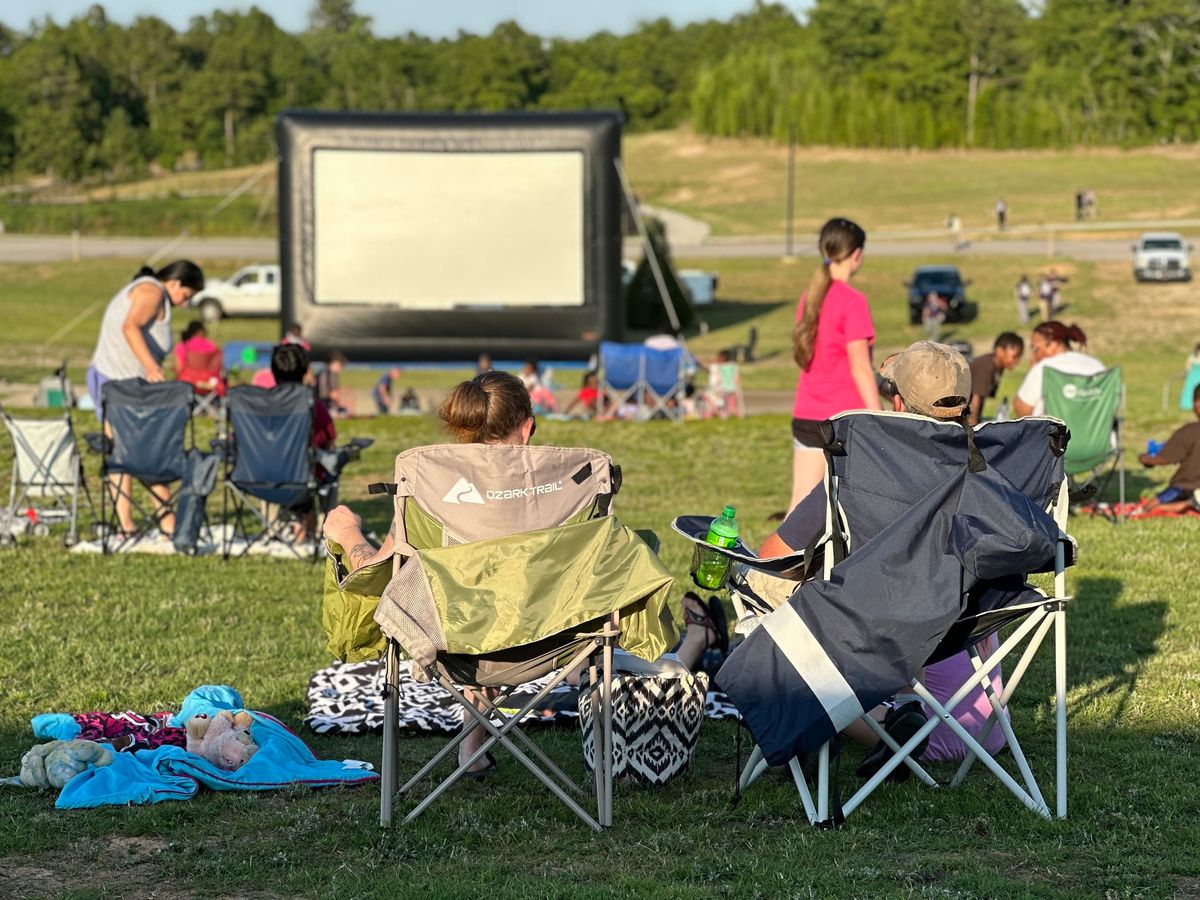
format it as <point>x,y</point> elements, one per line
<point>345,528</point>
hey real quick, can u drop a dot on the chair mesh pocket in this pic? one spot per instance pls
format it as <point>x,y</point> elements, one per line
<point>656,721</point>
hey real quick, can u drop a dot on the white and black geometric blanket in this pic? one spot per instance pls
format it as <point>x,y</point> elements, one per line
<point>347,698</point>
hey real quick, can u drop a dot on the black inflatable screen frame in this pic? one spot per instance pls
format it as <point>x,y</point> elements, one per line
<point>381,333</point>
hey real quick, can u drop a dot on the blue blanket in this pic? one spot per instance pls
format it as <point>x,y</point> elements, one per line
<point>171,773</point>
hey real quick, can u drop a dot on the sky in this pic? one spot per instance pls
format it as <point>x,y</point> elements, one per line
<point>548,18</point>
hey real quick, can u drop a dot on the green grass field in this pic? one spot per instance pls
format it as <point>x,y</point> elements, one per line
<point>83,632</point>
<point>737,185</point>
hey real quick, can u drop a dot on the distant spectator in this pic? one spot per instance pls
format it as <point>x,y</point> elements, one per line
<point>1023,291</point>
<point>289,365</point>
<point>295,336</point>
<point>933,315</point>
<point>1089,203</point>
<point>1080,206</point>
<point>382,393</point>
<point>1045,298</point>
<point>1053,346</point>
<point>409,401</point>
<point>539,395</point>
<point>589,398</point>
<point>329,385</point>
<point>1001,209</point>
<point>198,360</point>
<point>1182,449</point>
<point>483,364</point>
<point>955,227</point>
<point>987,370</point>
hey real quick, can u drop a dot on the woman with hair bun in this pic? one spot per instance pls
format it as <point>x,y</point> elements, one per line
<point>491,408</point>
<point>1055,346</point>
<point>831,343</point>
<point>135,337</point>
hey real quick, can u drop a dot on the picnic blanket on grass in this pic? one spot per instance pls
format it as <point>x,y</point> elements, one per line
<point>347,698</point>
<point>171,773</point>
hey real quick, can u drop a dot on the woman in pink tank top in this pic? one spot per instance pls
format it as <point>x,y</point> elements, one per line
<point>831,344</point>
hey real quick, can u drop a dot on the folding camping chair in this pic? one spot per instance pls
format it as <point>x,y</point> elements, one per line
<point>651,379</point>
<point>563,581</point>
<point>47,473</point>
<point>1093,406</point>
<point>865,522</point>
<point>203,372</point>
<point>146,434</point>
<point>271,475</point>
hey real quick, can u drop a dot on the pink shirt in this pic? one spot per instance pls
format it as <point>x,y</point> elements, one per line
<point>826,387</point>
<point>197,343</point>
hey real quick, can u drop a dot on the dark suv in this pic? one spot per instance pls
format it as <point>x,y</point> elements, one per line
<point>947,283</point>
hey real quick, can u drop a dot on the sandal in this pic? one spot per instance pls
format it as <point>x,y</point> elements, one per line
<point>481,774</point>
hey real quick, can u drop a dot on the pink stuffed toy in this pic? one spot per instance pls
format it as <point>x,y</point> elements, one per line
<point>223,740</point>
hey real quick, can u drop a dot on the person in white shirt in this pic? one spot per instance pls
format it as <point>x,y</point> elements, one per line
<point>1053,345</point>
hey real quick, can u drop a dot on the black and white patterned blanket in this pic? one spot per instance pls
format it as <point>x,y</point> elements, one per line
<point>347,698</point>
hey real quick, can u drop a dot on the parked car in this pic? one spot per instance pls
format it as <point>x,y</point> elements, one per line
<point>1161,256</point>
<point>252,291</point>
<point>947,283</point>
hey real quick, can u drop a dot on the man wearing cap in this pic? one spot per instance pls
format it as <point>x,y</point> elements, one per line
<point>927,379</point>
<point>930,380</point>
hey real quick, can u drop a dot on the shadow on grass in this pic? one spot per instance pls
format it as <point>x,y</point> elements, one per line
<point>1119,640</point>
<point>731,313</point>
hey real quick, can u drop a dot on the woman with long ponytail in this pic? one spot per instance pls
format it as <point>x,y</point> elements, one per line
<point>831,343</point>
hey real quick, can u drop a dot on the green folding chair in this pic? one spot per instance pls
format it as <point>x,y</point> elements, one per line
<point>1093,407</point>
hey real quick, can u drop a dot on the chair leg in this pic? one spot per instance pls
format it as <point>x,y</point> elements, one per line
<point>823,783</point>
<point>1060,717</point>
<point>387,766</point>
<point>607,699</point>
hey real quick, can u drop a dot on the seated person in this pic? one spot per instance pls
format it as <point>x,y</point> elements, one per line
<point>1182,449</point>
<point>382,392</point>
<point>917,376</point>
<point>409,401</point>
<point>988,369</point>
<point>295,335</point>
<point>1054,346</point>
<point>539,395</point>
<point>329,386</point>
<point>289,365</point>
<point>193,347</point>
<point>589,399</point>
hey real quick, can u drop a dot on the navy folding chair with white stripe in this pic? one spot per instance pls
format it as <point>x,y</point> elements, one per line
<point>930,534</point>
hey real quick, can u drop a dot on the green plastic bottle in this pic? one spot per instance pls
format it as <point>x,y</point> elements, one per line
<point>722,533</point>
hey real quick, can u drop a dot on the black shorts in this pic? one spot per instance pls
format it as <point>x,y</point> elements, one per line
<point>806,434</point>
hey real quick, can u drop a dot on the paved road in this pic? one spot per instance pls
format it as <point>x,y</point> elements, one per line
<point>16,248</point>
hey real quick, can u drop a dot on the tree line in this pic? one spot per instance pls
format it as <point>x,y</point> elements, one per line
<point>95,99</point>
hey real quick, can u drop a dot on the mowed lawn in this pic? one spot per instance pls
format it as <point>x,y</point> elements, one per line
<point>83,632</point>
<point>739,185</point>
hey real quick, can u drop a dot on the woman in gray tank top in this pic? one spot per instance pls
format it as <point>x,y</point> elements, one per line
<point>135,336</point>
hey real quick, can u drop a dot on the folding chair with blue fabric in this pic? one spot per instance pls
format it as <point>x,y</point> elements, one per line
<point>508,567</point>
<point>930,533</point>
<point>1093,406</point>
<point>146,435</point>
<point>653,380</point>
<point>271,476</point>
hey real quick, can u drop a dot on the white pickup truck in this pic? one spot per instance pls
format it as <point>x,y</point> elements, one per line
<point>252,291</point>
<point>1161,256</point>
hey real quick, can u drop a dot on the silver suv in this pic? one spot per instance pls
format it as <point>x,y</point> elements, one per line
<point>1161,256</point>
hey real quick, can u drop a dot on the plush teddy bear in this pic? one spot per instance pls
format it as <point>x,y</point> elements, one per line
<point>52,765</point>
<point>223,740</point>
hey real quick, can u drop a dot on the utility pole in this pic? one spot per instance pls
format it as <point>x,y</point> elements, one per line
<point>791,191</point>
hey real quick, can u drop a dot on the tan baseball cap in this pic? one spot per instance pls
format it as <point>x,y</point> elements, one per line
<point>933,379</point>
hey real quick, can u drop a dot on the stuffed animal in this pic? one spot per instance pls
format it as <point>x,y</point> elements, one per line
<point>52,765</point>
<point>223,740</point>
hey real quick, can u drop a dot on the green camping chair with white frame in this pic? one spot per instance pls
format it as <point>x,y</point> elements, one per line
<point>508,566</point>
<point>1093,407</point>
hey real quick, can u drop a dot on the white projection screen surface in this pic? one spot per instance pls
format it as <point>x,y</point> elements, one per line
<point>444,230</point>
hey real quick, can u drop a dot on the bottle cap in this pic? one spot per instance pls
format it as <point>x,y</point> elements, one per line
<point>729,512</point>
